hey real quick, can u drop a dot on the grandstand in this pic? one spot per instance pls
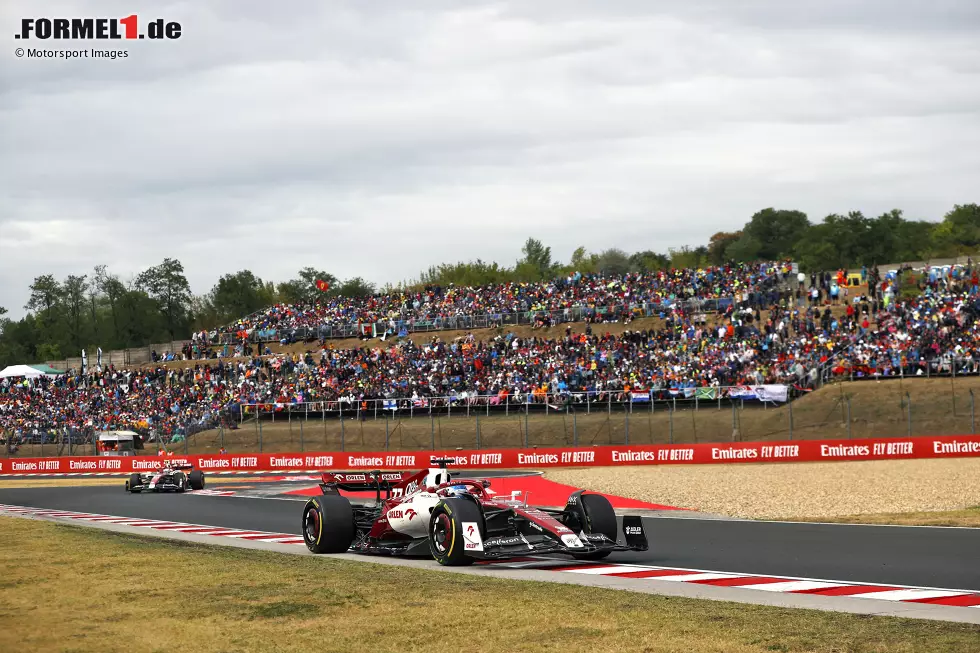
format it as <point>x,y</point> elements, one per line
<point>763,335</point>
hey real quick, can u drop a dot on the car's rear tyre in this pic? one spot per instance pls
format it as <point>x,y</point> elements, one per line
<point>328,524</point>
<point>447,538</point>
<point>196,479</point>
<point>596,515</point>
<point>134,483</point>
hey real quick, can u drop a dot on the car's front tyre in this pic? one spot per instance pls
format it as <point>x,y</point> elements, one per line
<point>196,479</point>
<point>597,516</point>
<point>447,536</point>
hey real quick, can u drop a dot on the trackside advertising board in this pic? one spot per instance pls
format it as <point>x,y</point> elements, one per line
<point>952,446</point>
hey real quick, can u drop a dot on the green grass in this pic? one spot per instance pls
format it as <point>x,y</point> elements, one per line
<point>84,590</point>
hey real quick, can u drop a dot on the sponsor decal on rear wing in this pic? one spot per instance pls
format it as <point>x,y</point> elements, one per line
<point>364,480</point>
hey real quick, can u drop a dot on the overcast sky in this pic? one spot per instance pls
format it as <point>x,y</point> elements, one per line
<point>376,138</point>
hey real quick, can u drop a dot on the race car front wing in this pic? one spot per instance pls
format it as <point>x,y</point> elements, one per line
<point>510,546</point>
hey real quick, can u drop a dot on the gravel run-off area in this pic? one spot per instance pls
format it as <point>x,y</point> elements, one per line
<point>792,490</point>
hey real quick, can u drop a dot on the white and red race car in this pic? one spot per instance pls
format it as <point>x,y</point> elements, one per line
<point>170,477</point>
<point>458,521</point>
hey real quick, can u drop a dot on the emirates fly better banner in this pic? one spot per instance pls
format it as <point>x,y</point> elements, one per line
<point>743,452</point>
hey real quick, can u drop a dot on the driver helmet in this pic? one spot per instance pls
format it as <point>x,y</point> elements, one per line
<point>457,489</point>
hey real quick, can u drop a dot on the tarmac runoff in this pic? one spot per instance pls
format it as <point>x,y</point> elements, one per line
<point>916,563</point>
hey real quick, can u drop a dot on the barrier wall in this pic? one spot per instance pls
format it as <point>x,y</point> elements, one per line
<point>599,456</point>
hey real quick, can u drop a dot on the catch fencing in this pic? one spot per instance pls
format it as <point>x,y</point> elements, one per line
<point>872,406</point>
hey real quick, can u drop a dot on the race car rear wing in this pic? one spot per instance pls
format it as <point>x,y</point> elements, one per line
<point>376,480</point>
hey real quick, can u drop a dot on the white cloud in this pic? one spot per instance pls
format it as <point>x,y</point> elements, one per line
<point>373,139</point>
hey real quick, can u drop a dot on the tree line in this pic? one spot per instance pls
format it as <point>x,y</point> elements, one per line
<point>157,305</point>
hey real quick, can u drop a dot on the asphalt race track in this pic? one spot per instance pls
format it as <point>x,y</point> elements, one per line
<point>929,557</point>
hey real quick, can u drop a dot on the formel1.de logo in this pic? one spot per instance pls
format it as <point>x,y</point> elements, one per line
<point>70,29</point>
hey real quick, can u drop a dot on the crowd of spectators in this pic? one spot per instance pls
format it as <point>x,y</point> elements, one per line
<point>587,292</point>
<point>788,344</point>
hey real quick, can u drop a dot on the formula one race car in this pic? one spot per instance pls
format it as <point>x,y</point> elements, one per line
<point>171,477</point>
<point>458,521</point>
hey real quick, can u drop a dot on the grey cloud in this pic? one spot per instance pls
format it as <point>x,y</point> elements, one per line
<point>375,139</point>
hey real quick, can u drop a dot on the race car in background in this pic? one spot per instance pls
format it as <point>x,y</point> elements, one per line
<point>458,521</point>
<point>171,477</point>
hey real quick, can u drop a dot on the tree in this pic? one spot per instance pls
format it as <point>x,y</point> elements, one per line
<point>303,290</point>
<point>46,293</point>
<point>167,285</point>
<point>959,232</point>
<point>537,260</point>
<point>582,262</point>
<point>613,262</point>
<point>718,245</point>
<point>141,319</point>
<point>685,257</point>
<point>475,273</point>
<point>113,289</point>
<point>776,231</point>
<point>648,261</point>
<point>356,287</point>
<point>93,299</point>
<point>74,293</point>
<point>237,295</point>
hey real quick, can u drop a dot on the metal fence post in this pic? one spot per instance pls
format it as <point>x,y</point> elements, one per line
<point>387,432</point>
<point>260,437</point>
<point>301,443</point>
<point>848,418</point>
<point>341,433</point>
<point>973,421</point>
<point>478,430</point>
<point>671,415</point>
<point>221,435</point>
<point>790,402</point>
<point>908,397</point>
<point>526,411</point>
<point>432,423</point>
<point>574,430</point>
<point>627,428</point>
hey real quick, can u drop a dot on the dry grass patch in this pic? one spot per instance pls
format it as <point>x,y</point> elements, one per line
<point>793,490</point>
<point>83,590</point>
<point>970,517</point>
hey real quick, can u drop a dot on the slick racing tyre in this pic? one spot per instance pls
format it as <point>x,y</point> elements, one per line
<point>134,483</point>
<point>328,524</point>
<point>451,530</point>
<point>596,515</point>
<point>196,479</point>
